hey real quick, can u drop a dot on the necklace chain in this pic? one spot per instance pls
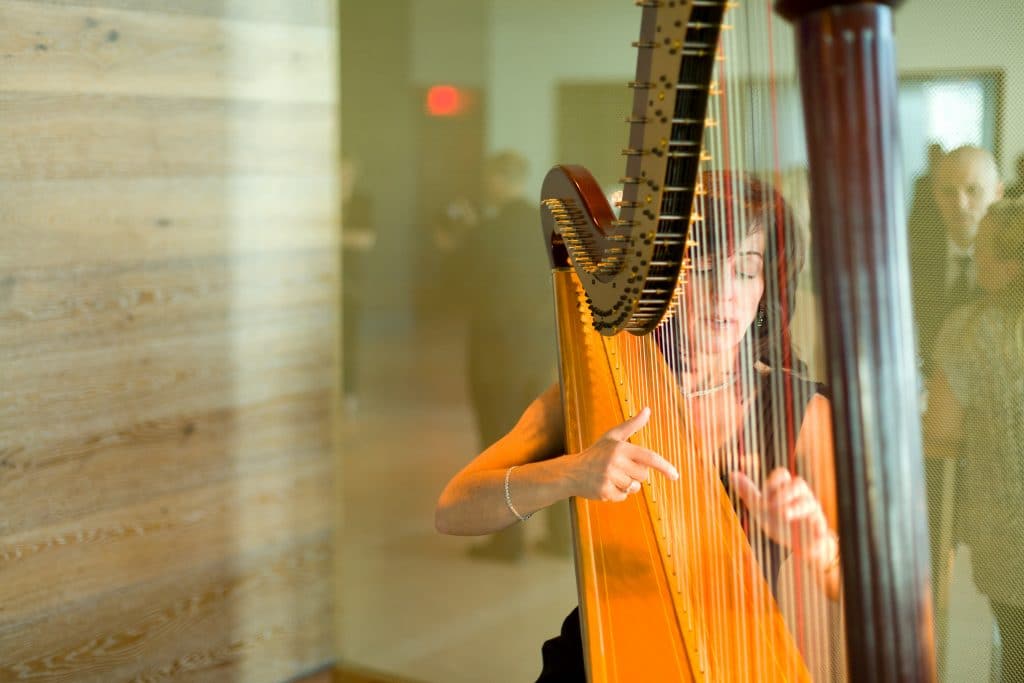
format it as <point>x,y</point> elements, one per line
<point>709,390</point>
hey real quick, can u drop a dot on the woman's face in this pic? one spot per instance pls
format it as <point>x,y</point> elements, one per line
<point>995,272</point>
<point>723,294</point>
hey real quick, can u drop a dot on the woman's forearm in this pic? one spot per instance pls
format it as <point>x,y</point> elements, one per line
<point>475,503</point>
<point>476,500</point>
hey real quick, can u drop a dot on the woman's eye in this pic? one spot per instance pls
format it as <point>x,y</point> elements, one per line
<point>748,267</point>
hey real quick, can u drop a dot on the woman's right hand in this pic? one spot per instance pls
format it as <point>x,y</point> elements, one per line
<point>612,468</point>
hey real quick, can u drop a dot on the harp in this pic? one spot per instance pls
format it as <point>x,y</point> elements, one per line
<point>680,583</point>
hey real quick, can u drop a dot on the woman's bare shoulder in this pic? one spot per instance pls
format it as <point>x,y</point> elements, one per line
<point>815,437</point>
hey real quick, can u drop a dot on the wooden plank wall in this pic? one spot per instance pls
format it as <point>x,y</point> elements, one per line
<point>168,339</point>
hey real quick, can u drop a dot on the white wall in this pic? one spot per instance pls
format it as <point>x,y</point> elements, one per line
<point>449,42</point>
<point>937,34</point>
<point>537,44</point>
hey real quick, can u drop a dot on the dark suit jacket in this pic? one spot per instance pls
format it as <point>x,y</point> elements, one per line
<point>512,346</point>
<point>933,301</point>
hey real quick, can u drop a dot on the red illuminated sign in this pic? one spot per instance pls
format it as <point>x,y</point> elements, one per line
<point>445,100</point>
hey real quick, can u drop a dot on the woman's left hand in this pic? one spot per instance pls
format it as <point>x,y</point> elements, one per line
<point>791,515</point>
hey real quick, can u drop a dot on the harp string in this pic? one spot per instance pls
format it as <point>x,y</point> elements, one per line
<point>735,102</point>
<point>726,156</point>
<point>767,160</point>
<point>711,438</point>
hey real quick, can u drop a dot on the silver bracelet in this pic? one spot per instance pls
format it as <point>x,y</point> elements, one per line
<point>508,497</point>
<point>834,562</point>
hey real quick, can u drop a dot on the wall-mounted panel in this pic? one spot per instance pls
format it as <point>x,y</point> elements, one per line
<point>169,299</point>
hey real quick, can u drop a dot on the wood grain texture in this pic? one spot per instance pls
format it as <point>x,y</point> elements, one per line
<point>271,434</point>
<point>162,534</point>
<point>89,221</point>
<point>49,137</point>
<point>169,310</point>
<point>303,12</point>
<point>71,49</point>
<point>127,300</point>
<point>188,625</point>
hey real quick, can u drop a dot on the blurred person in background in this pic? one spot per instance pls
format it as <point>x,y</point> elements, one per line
<point>924,214</point>
<point>964,183</point>
<point>451,227</point>
<point>1015,190</point>
<point>511,335</point>
<point>357,240</point>
<point>975,415</point>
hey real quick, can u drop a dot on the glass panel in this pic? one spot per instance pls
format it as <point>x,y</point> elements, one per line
<point>546,81</point>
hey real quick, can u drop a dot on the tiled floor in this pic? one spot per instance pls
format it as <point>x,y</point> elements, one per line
<point>413,604</point>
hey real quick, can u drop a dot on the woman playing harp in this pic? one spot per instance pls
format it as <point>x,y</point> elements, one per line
<point>762,426</point>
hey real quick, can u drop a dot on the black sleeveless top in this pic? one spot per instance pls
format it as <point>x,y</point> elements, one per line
<point>562,655</point>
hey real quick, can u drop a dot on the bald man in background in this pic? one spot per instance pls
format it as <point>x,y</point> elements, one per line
<point>965,183</point>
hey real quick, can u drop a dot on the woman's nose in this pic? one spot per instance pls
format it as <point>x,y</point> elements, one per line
<point>963,200</point>
<point>725,283</point>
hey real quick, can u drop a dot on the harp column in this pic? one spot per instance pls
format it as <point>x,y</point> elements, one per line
<point>848,83</point>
